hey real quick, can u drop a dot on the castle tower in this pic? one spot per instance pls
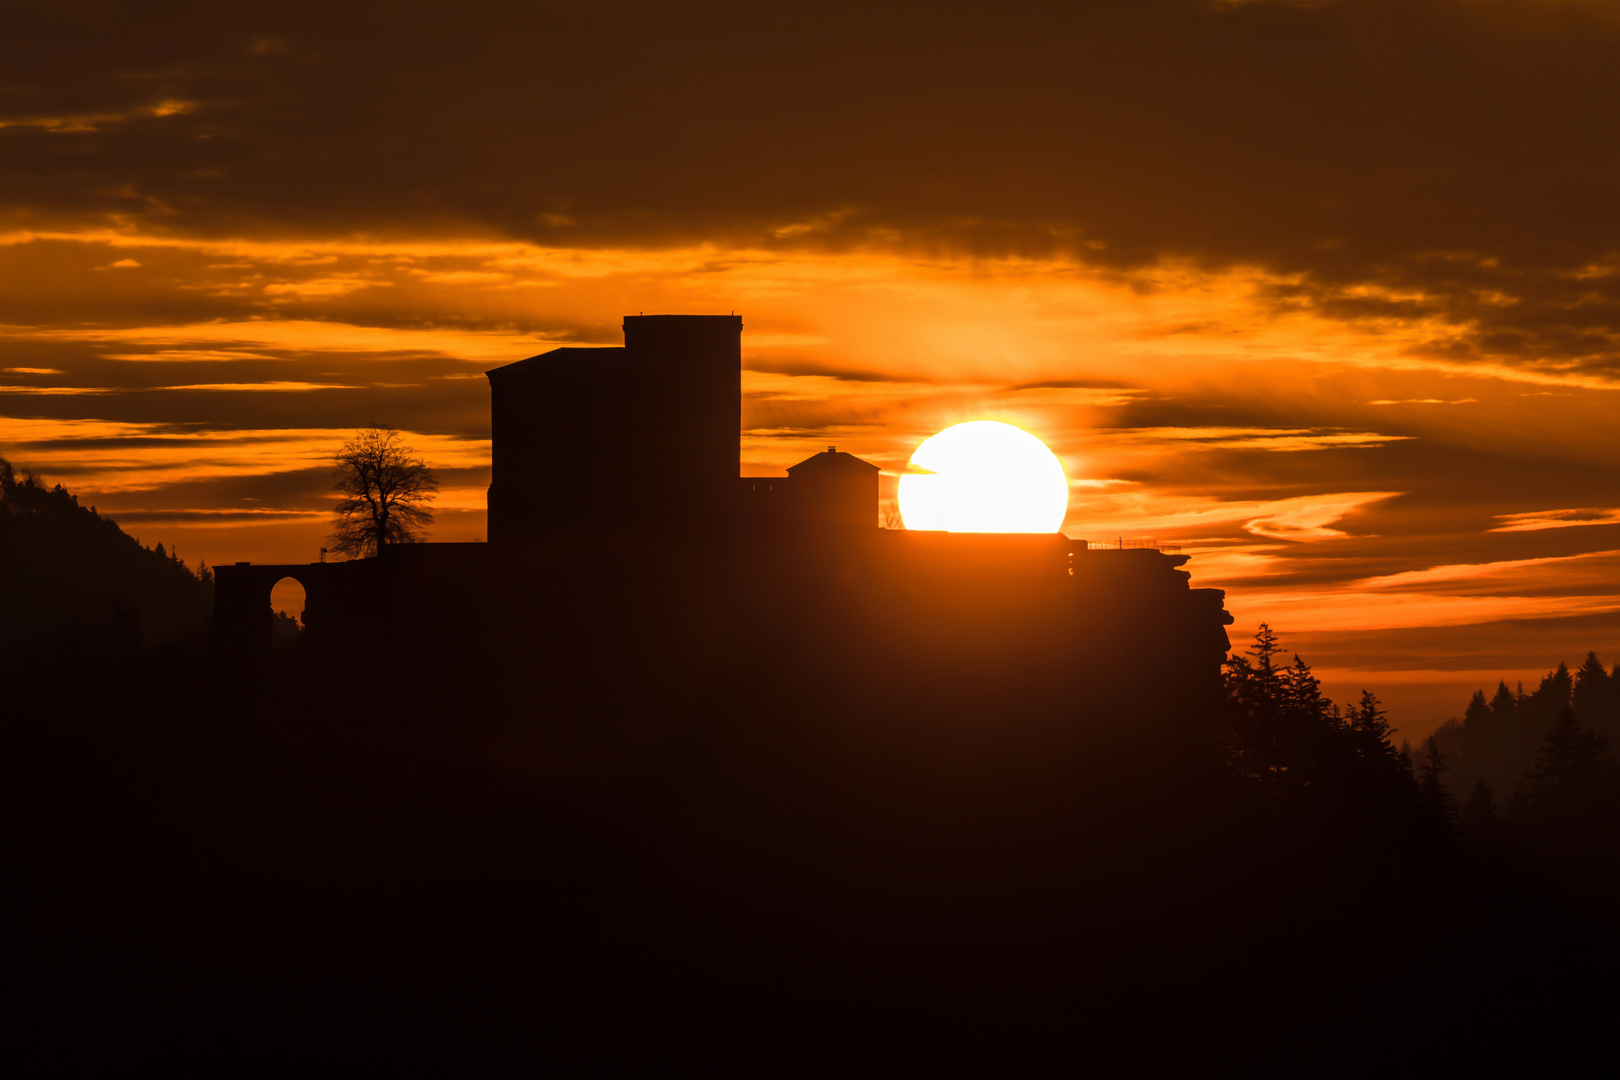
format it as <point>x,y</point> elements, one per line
<point>642,437</point>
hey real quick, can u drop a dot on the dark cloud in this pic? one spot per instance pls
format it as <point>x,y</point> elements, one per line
<point>1456,151</point>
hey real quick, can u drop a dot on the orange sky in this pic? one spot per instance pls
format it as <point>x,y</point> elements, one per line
<point>1328,294</point>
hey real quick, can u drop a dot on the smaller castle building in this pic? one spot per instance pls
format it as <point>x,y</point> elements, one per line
<point>830,489</point>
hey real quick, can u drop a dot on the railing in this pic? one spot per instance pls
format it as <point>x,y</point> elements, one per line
<point>1122,544</point>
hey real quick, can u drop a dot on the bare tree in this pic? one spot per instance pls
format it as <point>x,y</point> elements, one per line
<point>386,491</point>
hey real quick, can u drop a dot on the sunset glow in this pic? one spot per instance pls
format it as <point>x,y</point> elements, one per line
<point>1306,372</point>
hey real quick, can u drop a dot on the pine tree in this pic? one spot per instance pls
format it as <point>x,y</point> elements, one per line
<point>1265,649</point>
<point>1504,706</point>
<point>1310,735</point>
<point>1477,717</point>
<point>1237,721</point>
<point>1570,758</point>
<point>1551,697</point>
<point>1302,693</point>
<point>1436,799</point>
<point>1593,686</point>
<point>1370,731</point>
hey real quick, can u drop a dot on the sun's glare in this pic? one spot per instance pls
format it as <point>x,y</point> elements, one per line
<point>984,476</point>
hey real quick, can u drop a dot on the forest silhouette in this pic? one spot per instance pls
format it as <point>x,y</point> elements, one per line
<point>687,842</point>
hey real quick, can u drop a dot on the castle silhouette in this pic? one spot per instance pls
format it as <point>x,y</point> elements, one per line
<point>624,547</point>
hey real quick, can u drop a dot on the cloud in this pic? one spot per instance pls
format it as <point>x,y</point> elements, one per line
<point>1587,568</point>
<point>1140,512</point>
<point>1307,519</point>
<point>1460,193</point>
<point>1537,520</point>
<point>1427,401</point>
<point>59,391</point>
<point>271,387</point>
<point>1285,440</point>
<point>222,518</point>
<point>1381,611</point>
<point>103,458</point>
<point>190,355</point>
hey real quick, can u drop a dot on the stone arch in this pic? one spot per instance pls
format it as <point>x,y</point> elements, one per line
<point>244,611</point>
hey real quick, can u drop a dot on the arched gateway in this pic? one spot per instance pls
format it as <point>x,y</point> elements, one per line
<point>242,609</point>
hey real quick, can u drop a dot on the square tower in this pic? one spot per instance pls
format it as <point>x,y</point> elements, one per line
<point>642,437</point>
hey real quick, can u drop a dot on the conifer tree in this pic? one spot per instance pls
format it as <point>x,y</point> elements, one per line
<point>1264,650</point>
<point>1302,693</point>
<point>1370,732</point>
<point>1504,706</point>
<point>1242,735</point>
<point>1593,687</point>
<point>1549,700</point>
<point>1478,716</point>
<point>1570,758</point>
<point>1437,801</point>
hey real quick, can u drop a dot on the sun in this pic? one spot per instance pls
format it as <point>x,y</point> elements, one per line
<point>984,476</point>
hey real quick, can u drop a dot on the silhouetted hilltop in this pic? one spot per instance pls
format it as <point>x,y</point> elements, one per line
<point>723,771</point>
<point>816,843</point>
<point>68,571</point>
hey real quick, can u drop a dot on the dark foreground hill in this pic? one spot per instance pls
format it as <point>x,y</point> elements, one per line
<point>307,858</point>
<point>67,571</point>
<point>639,836</point>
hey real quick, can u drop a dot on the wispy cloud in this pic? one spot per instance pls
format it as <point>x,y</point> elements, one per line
<point>1594,567</point>
<point>1304,518</point>
<point>271,387</point>
<point>1536,520</point>
<point>1276,439</point>
<point>102,457</point>
<point>60,391</point>
<point>1307,519</point>
<point>1425,401</point>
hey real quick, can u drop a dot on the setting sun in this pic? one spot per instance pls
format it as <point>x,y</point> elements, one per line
<point>984,476</point>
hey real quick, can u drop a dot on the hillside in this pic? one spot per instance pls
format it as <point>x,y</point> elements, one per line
<point>67,572</point>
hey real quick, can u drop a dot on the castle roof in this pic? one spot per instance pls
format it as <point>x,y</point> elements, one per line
<point>567,355</point>
<point>831,460</point>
